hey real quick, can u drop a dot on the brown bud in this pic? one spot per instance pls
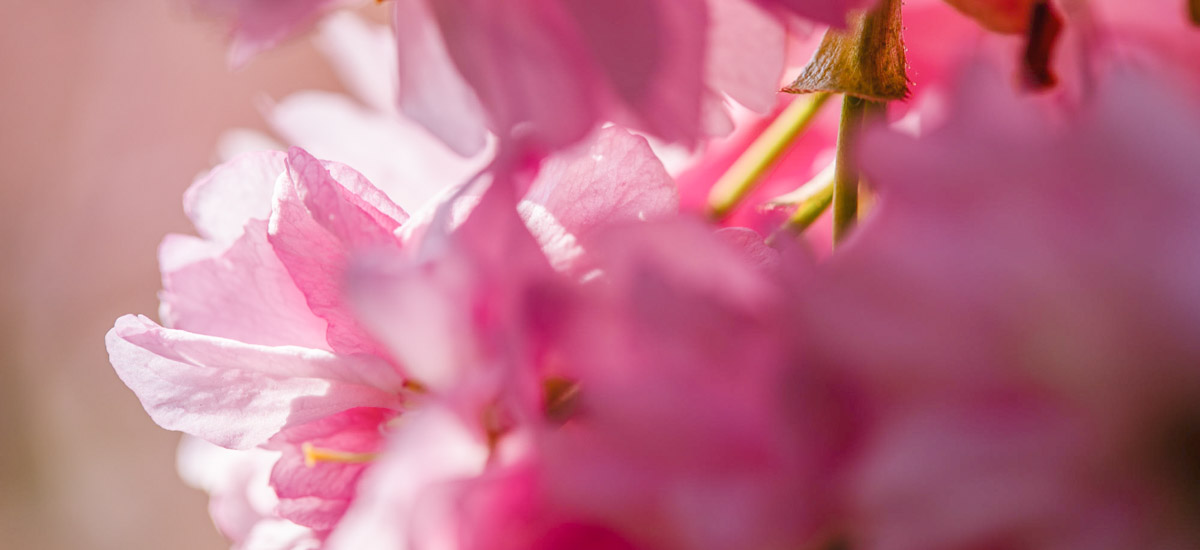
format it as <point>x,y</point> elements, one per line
<point>866,60</point>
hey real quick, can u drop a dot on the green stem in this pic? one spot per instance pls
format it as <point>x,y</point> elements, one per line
<point>810,210</point>
<point>846,174</point>
<point>746,172</point>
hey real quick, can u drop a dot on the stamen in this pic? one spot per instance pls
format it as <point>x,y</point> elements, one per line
<point>1194,11</point>
<point>313,455</point>
<point>746,172</point>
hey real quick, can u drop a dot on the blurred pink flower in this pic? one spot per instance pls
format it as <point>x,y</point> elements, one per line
<point>1023,309</point>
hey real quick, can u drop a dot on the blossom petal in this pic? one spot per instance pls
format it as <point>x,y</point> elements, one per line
<point>650,53</point>
<point>392,152</point>
<point>323,212</point>
<point>432,91</point>
<point>453,307</point>
<point>746,52</point>
<point>364,56</point>
<point>239,395</point>
<point>528,67</point>
<point>243,293</point>
<point>222,201</point>
<point>430,450</point>
<point>613,178</point>
<point>316,495</point>
<point>240,497</point>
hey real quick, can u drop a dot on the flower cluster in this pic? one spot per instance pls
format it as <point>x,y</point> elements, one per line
<point>601,330</point>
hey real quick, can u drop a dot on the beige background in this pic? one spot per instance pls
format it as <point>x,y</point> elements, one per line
<point>108,108</point>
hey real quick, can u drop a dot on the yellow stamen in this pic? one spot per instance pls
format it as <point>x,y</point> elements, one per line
<point>749,169</point>
<point>313,455</point>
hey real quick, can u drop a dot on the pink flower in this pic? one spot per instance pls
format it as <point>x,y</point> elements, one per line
<point>1023,309</point>
<point>261,349</point>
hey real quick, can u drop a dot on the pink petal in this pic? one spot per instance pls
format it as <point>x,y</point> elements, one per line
<point>236,481</point>
<point>960,475</point>
<point>392,152</point>
<point>243,293</point>
<point>322,214</point>
<point>612,179</point>
<point>317,495</point>
<point>527,65</point>
<point>746,50</point>
<point>651,54</point>
<point>222,201</point>
<point>239,395</point>
<point>752,246</point>
<point>364,56</point>
<point>430,450</point>
<point>456,307</point>
<point>432,91</point>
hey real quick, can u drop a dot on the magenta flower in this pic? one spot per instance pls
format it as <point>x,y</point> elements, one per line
<point>1023,307</point>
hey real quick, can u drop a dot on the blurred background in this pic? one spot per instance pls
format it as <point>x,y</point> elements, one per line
<point>108,109</point>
